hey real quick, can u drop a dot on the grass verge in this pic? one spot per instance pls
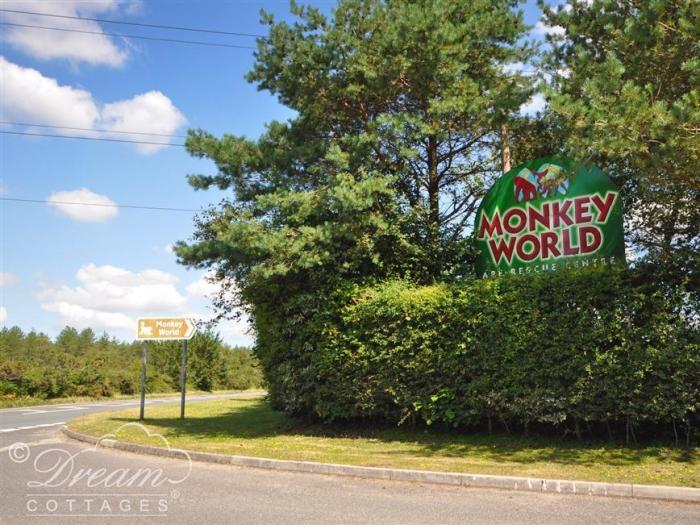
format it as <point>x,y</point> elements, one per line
<point>250,427</point>
<point>19,402</point>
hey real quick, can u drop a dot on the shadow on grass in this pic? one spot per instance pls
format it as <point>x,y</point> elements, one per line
<point>255,419</point>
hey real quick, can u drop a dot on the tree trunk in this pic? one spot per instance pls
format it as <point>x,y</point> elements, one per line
<point>505,424</point>
<point>433,186</point>
<point>675,432</point>
<point>505,148</point>
<point>577,429</point>
<point>434,201</point>
<point>634,435</point>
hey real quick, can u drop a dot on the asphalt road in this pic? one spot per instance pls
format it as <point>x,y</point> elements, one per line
<point>46,478</point>
<point>21,424</point>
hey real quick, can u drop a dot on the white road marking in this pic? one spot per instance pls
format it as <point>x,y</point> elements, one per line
<point>33,411</point>
<point>15,429</point>
<point>33,443</point>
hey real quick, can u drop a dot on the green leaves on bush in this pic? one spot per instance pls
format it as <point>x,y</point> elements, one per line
<point>560,348</point>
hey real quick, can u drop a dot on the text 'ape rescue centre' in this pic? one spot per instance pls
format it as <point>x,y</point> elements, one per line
<point>546,214</point>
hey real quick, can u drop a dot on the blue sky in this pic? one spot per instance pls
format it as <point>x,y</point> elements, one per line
<point>99,266</point>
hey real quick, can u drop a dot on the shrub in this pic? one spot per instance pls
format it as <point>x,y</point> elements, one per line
<point>564,349</point>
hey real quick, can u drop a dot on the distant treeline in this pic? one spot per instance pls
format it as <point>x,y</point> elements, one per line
<point>80,363</point>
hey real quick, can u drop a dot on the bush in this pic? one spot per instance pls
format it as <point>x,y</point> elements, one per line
<point>564,349</point>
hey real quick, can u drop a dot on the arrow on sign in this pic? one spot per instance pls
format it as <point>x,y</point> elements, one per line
<point>165,328</point>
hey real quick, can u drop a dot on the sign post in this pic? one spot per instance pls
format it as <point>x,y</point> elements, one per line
<point>164,329</point>
<point>144,360</point>
<point>183,379</point>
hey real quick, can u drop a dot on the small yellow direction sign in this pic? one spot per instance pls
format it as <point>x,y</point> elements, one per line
<point>165,328</point>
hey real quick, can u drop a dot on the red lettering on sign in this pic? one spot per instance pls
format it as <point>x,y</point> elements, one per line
<point>501,248</point>
<point>521,220</point>
<point>582,213</point>
<point>604,206</point>
<point>528,239</point>
<point>549,245</point>
<point>490,228</point>
<point>592,243</point>
<point>561,215</point>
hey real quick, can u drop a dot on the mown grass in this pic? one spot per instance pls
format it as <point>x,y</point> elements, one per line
<point>252,428</point>
<point>18,402</point>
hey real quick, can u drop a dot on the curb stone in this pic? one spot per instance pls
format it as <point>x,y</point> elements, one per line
<point>551,486</point>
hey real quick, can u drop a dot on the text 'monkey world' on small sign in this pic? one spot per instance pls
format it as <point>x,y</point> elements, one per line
<point>165,328</point>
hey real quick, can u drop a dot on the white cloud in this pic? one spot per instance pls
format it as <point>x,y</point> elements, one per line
<point>82,317</point>
<point>542,29</point>
<point>7,279</point>
<point>29,96</point>
<point>93,207</point>
<point>3,314</point>
<point>207,287</point>
<point>106,295</point>
<point>233,332</point>
<point>94,49</point>
<point>111,298</point>
<point>536,103</point>
<point>203,288</point>
<point>513,68</point>
<point>150,112</point>
<point>169,248</point>
<point>236,332</point>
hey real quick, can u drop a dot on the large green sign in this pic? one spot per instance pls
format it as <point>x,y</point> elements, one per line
<point>547,214</point>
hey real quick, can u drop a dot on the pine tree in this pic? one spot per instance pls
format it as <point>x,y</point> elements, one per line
<point>397,134</point>
<point>626,86</point>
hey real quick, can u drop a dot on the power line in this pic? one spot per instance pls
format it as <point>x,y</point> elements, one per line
<point>175,40</point>
<point>159,26</point>
<point>89,138</point>
<point>91,129</point>
<point>104,205</point>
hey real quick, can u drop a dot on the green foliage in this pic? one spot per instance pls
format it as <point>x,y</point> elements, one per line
<point>343,218</point>
<point>626,89</point>
<point>593,345</point>
<point>79,364</point>
<point>398,107</point>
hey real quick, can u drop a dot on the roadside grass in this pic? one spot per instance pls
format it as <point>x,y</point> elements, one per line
<point>250,427</point>
<point>18,402</point>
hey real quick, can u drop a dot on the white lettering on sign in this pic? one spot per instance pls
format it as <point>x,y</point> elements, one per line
<point>161,328</point>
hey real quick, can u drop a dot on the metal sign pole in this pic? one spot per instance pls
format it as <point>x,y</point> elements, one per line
<point>144,359</point>
<point>183,379</point>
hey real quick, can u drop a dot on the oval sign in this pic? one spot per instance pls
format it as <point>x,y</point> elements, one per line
<point>546,214</point>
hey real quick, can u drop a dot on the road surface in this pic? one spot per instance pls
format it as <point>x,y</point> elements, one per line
<point>46,478</point>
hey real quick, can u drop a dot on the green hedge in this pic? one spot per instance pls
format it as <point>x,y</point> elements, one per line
<point>567,349</point>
